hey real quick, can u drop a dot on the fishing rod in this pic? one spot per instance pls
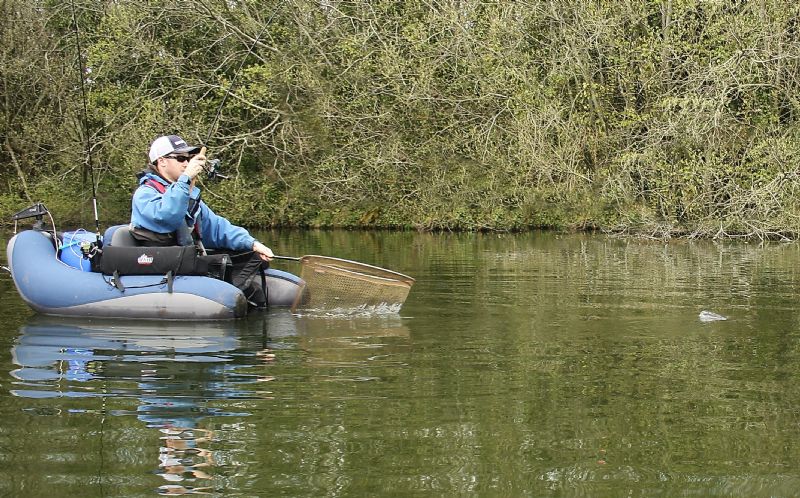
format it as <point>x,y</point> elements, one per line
<point>212,170</point>
<point>86,124</point>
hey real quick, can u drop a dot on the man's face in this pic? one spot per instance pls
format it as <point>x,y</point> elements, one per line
<point>172,165</point>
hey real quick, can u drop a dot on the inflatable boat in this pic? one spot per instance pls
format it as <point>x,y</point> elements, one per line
<point>54,279</point>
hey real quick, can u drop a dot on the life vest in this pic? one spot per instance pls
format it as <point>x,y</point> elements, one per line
<point>192,211</point>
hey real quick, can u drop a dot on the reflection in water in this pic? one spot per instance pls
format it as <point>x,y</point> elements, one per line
<point>173,370</point>
<point>192,384</point>
<point>183,458</point>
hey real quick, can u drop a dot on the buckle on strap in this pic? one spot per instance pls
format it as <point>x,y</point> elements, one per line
<point>115,279</point>
<point>170,278</point>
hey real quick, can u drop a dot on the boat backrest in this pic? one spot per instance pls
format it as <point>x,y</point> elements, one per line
<point>121,237</point>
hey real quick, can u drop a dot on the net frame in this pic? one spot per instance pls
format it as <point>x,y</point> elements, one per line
<point>334,283</point>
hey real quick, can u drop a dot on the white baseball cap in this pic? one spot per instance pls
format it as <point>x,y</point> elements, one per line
<point>168,144</point>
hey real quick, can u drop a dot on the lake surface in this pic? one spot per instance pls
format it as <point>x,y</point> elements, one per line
<point>521,365</point>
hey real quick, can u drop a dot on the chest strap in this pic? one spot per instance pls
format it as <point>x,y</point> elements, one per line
<point>156,185</point>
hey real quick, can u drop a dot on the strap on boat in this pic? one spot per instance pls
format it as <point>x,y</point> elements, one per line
<point>264,266</point>
<point>223,267</point>
<point>117,282</point>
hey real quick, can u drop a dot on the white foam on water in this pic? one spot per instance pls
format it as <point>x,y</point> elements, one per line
<point>358,311</point>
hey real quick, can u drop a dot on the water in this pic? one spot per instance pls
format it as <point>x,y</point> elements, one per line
<point>521,365</point>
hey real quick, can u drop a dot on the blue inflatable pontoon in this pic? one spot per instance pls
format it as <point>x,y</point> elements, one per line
<point>52,287</point>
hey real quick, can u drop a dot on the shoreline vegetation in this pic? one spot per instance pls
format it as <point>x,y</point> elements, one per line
<point>670,118</point>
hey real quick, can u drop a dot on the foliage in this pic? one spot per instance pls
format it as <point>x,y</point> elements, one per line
<point>660,117</point>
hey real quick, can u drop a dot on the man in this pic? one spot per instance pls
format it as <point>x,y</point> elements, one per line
<point>167,210</point>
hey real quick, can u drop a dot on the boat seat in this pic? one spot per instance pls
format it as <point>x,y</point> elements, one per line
<point>120,236</point>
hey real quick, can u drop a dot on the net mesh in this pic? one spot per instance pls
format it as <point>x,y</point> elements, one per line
<point>332,283</point>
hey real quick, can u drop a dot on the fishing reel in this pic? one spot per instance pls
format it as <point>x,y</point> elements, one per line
<point>212,170</point>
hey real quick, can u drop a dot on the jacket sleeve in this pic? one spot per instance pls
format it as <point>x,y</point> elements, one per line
<point>160,213</point>
<point>219,233</point>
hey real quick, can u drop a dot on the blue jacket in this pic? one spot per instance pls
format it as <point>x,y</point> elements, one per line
<point>168,213</point>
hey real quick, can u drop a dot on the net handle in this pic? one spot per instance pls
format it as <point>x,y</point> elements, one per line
<point>287,258</point>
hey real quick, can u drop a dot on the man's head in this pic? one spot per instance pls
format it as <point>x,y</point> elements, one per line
<point>169,156</point>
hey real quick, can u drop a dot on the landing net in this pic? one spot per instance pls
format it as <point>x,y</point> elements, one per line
<point>333,283</point>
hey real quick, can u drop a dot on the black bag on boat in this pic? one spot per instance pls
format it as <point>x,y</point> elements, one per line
<point>180,260</point>
<point>217,266</point>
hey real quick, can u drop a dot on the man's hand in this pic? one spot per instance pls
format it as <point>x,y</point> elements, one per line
<point>196,164</point>
<point>263,251</point>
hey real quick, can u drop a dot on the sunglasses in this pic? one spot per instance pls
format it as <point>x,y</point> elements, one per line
<point>180,159</point>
